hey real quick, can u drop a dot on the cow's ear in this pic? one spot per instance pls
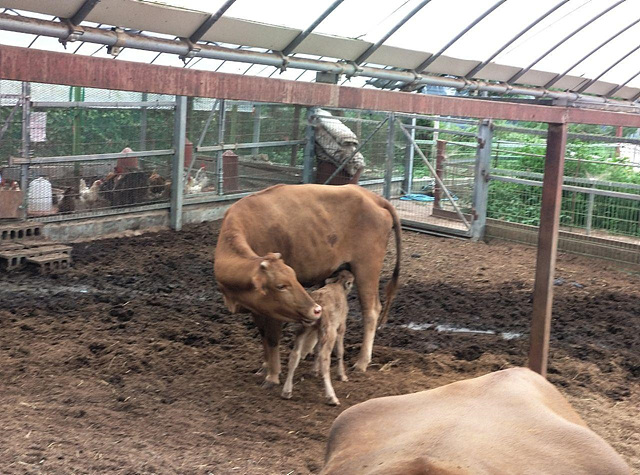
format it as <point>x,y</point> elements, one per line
<point>330,280</point>
<point>259,280</point>
<point>277,255</point>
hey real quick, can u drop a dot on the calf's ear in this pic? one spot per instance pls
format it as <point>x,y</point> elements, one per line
<point>347,285</point>
<point>330,280</point>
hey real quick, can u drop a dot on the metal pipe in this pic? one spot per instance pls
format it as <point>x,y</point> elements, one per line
<point>220,159</point>
<point>425,64</point>
<point>371,49</point>
<point>600,46</point>
<point>115,105</point>
<point>287,50</point>
<point>523,71</point>
<point>617,88</point>
<point>482,65</point>
<point>177,164</point>
<point>179,47</point>
<point>388,172</point>
<point>241,146</point>
<point>209,22</point>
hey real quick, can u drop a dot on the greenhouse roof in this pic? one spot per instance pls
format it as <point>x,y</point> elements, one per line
<point>580,46</point>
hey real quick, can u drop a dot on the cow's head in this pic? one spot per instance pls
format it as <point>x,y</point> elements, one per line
<point>276,293</point>
<point>344,278</point>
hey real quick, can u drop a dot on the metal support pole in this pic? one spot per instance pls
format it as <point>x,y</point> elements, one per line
<point>309,147</point>
<point>407,184</point>
<point>295,133</point>
<point>388,172</point>
<point>26,142</point>
<point>256,127</point>
<point>177,167</point>
<point>590,204</point>
<point>143,123</point>
<point>441,147</point>
<point>220,160</point>
<point>547,247</point>
<point>481,180</point>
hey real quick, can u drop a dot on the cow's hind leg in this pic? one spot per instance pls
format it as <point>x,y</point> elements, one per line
<point>367,280</point>
<point>271,330</point>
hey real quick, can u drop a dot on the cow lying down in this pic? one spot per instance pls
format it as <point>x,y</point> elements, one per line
<point>324,334</point>
<point>509,422</point>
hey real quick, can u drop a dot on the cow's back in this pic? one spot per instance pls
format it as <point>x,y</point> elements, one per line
<point>511,421</point>
<point>316,228</point>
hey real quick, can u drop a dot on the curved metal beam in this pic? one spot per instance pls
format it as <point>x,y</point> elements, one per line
<point>210,21</point>
<point>179,47</point>
<point>371,49</point>
<point>83,12</point>
<point>425,64</point>
<point>589,83</point>
<point>302,35</point>
<point>482,65</point>
<point>523,71</point>
<point>617,88</point>
<point>600,46</point>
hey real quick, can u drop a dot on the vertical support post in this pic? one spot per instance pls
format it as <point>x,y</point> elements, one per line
<point>177,166</point>
<point>233,124</point>
<point>441,147</point>
<point>590,204</point>
<point>295,134</point>
<point>388,172</point>
<point>26,143</point>
<point>547,247</point>
<point>309,147</point>
<point>436,135</point>
<point>407,184</point>
<point>26,133</point>
<point>143,123</point>
<point>618,134</point>
<point>219,159</point>
<point>257,108</point>
<point>481,180</point>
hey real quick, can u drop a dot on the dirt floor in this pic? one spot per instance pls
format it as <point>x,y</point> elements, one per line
<point>130,363</point>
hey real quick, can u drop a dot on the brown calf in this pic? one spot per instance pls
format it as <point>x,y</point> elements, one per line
<point>329,329</point>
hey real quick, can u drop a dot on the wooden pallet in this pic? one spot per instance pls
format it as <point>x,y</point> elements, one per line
<point>51,263</point>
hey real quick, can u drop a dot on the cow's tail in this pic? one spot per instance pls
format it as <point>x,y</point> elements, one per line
<point>392,286</point>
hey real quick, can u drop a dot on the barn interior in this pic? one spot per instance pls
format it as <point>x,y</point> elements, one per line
<point>503,137</point>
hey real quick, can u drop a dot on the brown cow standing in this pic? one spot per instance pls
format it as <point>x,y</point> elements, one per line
<point>510,422</point>
<point>328,331</point>
<point>304,233</point>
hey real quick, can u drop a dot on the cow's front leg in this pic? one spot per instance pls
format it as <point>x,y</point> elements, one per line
<point>271,330</point>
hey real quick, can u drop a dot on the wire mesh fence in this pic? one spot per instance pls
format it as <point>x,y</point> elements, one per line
<point>601,192</point>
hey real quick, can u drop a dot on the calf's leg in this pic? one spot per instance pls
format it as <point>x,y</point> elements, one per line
<point>340,354</point>
<point>325,366</point>
<point>294,359</point>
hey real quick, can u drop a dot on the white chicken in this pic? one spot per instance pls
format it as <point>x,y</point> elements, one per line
<point>196,184</point>
<point>89,195</point>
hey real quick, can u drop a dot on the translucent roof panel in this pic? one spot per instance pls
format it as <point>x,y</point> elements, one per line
<point>555,46</point>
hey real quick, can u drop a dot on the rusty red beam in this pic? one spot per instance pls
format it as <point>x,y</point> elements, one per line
<point>547,248</point>
<point>24,64</point>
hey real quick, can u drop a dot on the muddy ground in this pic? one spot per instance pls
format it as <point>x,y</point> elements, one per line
<point>130,363</point>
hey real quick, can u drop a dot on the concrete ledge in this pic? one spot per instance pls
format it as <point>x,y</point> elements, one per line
<point>627,253</point>
<point>129,224</point>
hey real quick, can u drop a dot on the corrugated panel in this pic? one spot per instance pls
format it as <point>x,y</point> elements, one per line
<point>397,57</point>
<point>332,46</point>
<point>59,8</point>
<point>249,33</point>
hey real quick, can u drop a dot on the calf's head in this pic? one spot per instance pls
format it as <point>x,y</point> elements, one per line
<point>276,293</point>
<point>344,278</point>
